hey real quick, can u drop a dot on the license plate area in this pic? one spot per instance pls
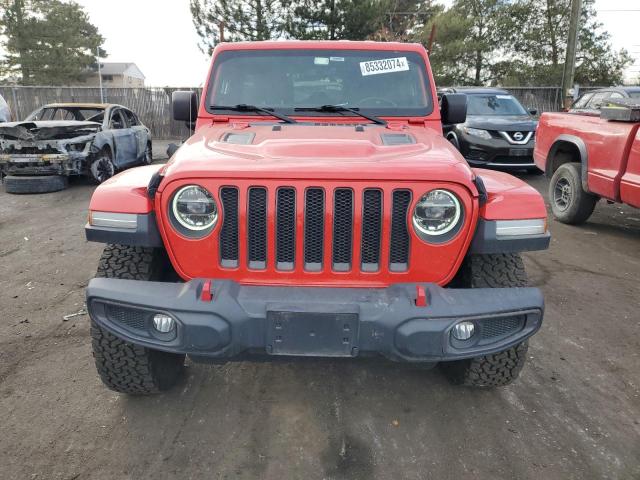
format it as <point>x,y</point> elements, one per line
<point>312,334</point>
<point>519,152</point>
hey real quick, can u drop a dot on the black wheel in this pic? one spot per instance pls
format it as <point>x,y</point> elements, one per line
<point>147,159</point>
<point>497,369</point>
<point>101,167</point>
<point>35,184</point>
<point>569,202</point>
<point>123,366</point>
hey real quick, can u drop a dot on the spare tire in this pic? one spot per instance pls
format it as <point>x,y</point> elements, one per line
<point>35,184</point>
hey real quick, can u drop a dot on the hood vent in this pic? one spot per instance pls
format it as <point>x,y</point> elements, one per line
<point>397,139</point>
<point>239,138</point>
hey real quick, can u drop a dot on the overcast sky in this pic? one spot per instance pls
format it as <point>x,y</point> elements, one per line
<point>159,37</point>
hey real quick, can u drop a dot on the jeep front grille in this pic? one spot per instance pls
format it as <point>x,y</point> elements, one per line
<point>327,234</point>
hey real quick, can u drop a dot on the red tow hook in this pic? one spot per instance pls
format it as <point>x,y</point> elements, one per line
<point>421,296</point>
<point>207,291</point>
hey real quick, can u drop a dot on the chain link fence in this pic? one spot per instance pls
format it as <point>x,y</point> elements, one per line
<point>153,105</point>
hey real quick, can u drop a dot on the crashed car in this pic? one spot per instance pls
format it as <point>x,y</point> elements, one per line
<point>57,141</point>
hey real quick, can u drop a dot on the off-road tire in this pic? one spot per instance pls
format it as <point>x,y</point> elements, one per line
<point>576,205</point>
<point>35,183</point>
<point>122,366</point>
<point>497,369</point>
<point>101,166</point>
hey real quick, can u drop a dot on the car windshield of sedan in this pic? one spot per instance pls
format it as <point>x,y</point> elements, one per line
<point>381,82</point>
<point>494,104</point>
<point>67,113</point>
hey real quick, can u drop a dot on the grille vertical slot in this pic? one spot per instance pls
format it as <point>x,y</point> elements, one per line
<point>399,248</point>
<point>229,230</point>
<point>371,230</point>
<point>342,229</point>
<point>285,228</point>
<point>314,229</point>
<point>257,228</point>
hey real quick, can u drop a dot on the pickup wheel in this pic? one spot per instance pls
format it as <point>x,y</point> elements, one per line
<point>497,369</point>
<point>123,366</point>
<point>569,202</point>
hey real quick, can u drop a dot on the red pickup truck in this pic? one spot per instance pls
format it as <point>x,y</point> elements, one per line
<point>588,157</point>
<point>317,210</point>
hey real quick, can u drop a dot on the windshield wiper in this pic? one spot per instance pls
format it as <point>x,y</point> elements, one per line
<point>342,108</point>
<point>242,107</point>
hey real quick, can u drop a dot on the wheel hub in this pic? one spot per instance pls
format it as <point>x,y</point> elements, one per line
<point>562,194</point>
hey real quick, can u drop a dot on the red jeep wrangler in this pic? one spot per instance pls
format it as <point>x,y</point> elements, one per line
<point>317,210</point>
<point>590,156</point>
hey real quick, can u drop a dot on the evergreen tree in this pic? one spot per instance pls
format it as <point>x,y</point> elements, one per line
<point>48,42</point>
<point>240,20</point>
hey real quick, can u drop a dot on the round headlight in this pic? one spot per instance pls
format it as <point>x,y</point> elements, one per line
<point>194,208</point>
<point>436,213</point>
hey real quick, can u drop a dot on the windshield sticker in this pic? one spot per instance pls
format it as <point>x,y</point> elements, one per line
<point>336,59</point>
<point>321,61</point>
<point>504,97</point>
<point>387,65</point>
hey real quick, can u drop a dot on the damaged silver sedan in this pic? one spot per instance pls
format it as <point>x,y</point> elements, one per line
<point>57,141</point>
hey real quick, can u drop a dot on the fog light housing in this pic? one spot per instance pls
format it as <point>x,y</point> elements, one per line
<point>163,323</point>
<point>463,330</point>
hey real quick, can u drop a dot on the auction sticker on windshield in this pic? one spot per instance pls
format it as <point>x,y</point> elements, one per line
<point>386,65</point>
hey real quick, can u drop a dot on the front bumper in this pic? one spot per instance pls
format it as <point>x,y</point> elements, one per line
<point>314,321</point>
<point>42,164</point>
<point>496,152</point>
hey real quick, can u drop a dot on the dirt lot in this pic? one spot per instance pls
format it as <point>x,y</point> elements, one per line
<point>574,414</point>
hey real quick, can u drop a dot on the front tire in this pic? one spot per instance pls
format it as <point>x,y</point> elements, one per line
<point>503,270</point>
<point>123,366</point>
<point>102,167</point>
<point>570,204</point>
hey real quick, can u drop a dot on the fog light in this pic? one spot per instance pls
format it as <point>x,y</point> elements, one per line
<point>463,330</point>
<point>163,323</point>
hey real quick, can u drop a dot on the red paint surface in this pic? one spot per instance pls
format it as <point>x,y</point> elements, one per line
<point>611,151</point>
<point>329,157</point>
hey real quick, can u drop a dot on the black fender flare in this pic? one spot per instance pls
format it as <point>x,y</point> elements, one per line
<point>582,150</point>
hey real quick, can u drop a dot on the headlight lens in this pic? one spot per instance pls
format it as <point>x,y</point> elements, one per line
<point>476,132</point>
<point>436,213</point>
<point>194,208</point>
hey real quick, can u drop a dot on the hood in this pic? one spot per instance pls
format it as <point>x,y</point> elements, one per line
<point>46,130</point>
<point>507,123</point>
<point>331,152</point>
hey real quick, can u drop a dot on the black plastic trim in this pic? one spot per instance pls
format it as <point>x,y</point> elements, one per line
<point>146,233</point>
<point>486,240</point>
<point>383,321</point>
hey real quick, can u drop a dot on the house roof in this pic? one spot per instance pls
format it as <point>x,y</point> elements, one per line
<point>121,68</point>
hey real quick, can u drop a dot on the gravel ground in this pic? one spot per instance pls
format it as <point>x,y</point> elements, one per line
<point>574,413</point>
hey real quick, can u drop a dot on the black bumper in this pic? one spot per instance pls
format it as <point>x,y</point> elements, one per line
<point>308,321</point>
<point>496,152</point>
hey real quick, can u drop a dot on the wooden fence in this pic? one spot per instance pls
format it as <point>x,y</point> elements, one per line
<point>153,105</point>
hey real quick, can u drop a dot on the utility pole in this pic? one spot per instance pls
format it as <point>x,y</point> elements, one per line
<point>570,61</point>
<point>99,74</point>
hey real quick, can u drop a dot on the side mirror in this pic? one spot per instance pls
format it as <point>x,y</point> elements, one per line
<point>533,112</point>
<point>453,108</point>
<point>184,105</point>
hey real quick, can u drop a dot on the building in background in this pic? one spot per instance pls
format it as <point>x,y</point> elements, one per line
<point>117,74</point>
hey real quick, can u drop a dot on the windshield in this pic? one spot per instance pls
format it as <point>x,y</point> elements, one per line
<point>68,113</point>
<point>388,83</point>
<point>494,104</point>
